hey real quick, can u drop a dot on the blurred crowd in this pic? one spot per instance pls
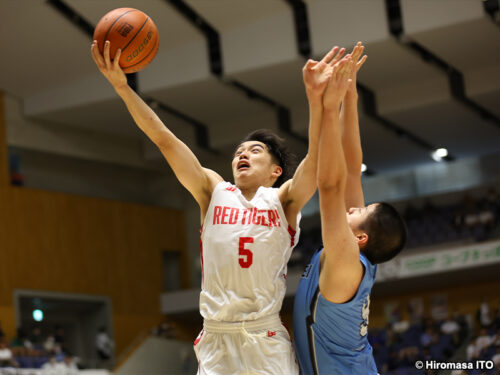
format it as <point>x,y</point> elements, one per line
<point>472,219</point>
<point>48,353</point>
<point>456,338</point>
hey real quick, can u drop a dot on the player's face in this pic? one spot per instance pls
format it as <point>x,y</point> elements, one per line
<point>253,164</point>
<point>356,216</point>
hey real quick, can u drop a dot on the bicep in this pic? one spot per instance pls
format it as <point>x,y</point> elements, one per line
<point>302,185</point>
<point>341,269</point>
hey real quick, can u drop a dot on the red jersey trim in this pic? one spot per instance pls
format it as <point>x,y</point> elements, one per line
<point>201,257</point>
<point>292,233</point>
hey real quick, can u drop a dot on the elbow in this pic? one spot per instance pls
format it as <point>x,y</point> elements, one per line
<point>332,178</point>
<point>163,141</point>
<point>330,182</point>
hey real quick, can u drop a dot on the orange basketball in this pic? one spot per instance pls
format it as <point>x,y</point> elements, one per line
<point>133,32</point>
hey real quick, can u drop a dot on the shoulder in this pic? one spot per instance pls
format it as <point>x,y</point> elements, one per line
<point>213,178</point>
<point>283,191</point>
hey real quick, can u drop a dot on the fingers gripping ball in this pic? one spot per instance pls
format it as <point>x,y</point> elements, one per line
<point>133,32</point>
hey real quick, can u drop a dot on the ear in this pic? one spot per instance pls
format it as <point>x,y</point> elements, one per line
<point>277,171</point>
<point>362,239</point>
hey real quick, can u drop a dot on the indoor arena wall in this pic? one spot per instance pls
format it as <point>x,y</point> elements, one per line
<point>74,244</point>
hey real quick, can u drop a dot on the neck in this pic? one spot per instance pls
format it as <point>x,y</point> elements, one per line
<point>249,192</point>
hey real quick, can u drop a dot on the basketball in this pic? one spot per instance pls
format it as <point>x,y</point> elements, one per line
<point>133,32</point>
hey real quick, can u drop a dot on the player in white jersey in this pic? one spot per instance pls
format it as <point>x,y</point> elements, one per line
<point>248,229</point>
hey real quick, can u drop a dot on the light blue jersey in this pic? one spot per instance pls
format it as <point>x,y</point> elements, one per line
<point>332,338</point>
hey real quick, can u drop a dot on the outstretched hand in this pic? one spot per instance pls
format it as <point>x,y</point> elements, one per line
<point>110,69</point>
<point>339,82</point>
<point>358,61</point>
<point>316,74</point>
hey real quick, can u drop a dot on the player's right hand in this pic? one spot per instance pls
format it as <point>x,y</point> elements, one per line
<point>110,69</point>
<point>338,83</point>
<point>316,74</point>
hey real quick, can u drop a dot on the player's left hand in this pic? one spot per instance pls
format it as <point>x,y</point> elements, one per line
<point>316,74</point>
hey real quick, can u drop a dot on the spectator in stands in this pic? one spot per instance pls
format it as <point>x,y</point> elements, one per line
<point>461,320</point>
<point>104,346</point>
<point>486,219</point>
<point>20,343</point>
<point>164,330</point>
<point>452,328</point>
<point>496,338</point>
<point>59,336</point>
<point>49,344</point>
<point>52,366</point>
<point>70,366</point>
<point>484,314</point>
<point>6,357</point>
<point>36,338</point>
<point>496,357</point>
<point>427,337</point>
<point>472,353</point>
<point>483,341</point>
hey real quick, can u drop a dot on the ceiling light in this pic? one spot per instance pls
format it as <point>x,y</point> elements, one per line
<point>439,154</point>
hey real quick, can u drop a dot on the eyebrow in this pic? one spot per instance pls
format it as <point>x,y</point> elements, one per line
<point>251,146</point>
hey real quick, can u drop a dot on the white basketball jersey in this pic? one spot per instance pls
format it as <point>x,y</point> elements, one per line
<point>245,247</point>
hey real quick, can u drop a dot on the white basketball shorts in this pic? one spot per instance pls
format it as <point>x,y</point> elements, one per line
<point>258,347</point>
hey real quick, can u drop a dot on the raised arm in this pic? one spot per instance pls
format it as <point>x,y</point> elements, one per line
<point>341,268</point>
<point>197,180</point>
<point>351,141</point>
<point>295,193</point>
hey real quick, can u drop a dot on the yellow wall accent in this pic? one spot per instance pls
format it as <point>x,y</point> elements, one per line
<point>66,243</point>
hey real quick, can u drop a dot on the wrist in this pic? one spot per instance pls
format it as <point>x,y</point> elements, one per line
<point>120,88</point>
<point>332,110</point>
<point>314,96</point>
<point>352,94</point>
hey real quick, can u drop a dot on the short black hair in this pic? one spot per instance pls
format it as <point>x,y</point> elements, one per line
<point>386,232</point>
<point>278,150</point>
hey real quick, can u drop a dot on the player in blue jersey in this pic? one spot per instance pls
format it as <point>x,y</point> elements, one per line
<point>333,298</point>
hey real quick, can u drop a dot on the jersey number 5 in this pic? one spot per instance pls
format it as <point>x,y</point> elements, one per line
<point>245,255</point>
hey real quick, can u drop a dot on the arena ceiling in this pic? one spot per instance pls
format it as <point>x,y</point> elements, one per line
<point>432,78</point>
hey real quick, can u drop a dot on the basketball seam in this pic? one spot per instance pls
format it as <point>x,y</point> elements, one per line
<point>145,57</point>
<point>115,21</point>
<point>137,33</point>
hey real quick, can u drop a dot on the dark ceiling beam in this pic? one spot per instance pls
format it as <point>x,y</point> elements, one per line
<point>201,132</point>
<point>283,116</point>
<point>456,80</point>
<point>369,103</point>
<point>299,8</point>
<point>72,16</point>
<point>212,36</point>
<point>492,9</point>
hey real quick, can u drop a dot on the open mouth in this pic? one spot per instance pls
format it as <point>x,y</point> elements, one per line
<point>242,166</point>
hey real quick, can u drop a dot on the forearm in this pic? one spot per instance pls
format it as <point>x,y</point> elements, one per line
<point>181,159</point>
<point>315,120</point>
<point>332,169</point>
<point>303,184</point>
<point>351,141</point>
<point>145,118</point>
